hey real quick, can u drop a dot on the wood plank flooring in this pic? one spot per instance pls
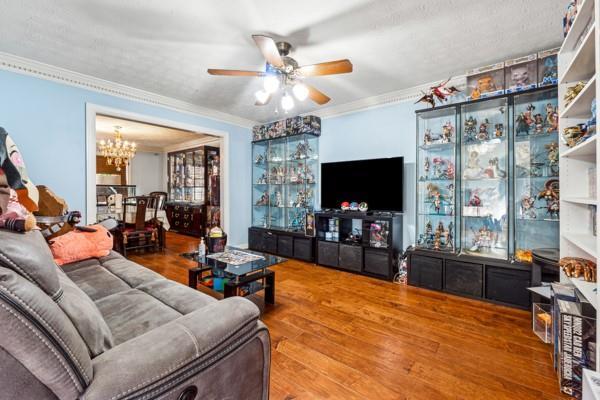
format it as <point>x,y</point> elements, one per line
<point>337,335</point>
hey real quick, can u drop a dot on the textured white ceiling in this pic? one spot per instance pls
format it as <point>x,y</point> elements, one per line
<point>146,136</point>
<point>165,47</point>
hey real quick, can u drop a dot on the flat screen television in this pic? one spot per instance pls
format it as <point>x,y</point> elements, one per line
<point>379,182</point>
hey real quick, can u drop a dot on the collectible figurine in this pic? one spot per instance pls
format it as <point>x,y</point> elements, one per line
<point>447,132</point>
<point>259,159</point>
<point>572,92</point>
<point>426,98</point>
<point>551,118</point>
<point>262,179</point>
<point>574,267</point>
<point>483,131</point>
<point>437,241</point>
<point>438,170</point>
<point>499,130</point>
<point>440,227</point>
<point>440,91</point>
<point>551,194</point>
<point>428,228</point>
<point>522,125</point>
<point>449,236</point>
<point>527,209</point>
<point>529,114</point>
<point>427,137</point>
<point>485,84</point>
<point>473,169</point>
<point>550,71</point>
<point>470,129</point>
<point>573,134</point>
<point>263,200</point>
<point>493,170</point>
<point>474,200</point>
<point>435,197</point>
<point>538,123</point>
<point>552,149</point>
<point>449,169</point>
<point>426,165</point>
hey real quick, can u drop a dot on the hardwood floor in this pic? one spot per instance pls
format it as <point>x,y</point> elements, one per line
<point>337,335</point>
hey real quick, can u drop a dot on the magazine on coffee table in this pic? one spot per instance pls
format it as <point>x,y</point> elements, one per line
<point>235,257</point>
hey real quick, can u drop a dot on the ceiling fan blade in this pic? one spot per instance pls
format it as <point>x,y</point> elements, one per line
<point>316,95</point>
<point>268,48</point>
<point>258,103</point>
<point>234,72</point>
<point>326,68</point>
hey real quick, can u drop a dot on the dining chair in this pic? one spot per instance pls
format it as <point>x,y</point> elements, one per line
<point>142,231</point>
<point>160,200</point>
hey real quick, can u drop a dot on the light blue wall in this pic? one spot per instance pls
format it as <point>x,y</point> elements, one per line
<point>388,131</point>
<point>47,121</point>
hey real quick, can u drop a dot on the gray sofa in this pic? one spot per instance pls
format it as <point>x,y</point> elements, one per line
<point>111,329</point>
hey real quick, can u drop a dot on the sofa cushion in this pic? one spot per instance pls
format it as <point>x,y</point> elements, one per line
<point>28,255</point>
<point>133,299</point>
<point>85,316</point>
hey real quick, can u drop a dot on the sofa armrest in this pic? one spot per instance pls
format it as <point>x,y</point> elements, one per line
<point>187,351</point>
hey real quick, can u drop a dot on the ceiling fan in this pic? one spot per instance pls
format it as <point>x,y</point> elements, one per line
<point>283,72</point>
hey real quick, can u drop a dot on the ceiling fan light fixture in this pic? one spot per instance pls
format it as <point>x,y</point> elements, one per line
<point>261,96</point>
<point>287,102</point>
<point>271,84</point>
<point>300,91</point>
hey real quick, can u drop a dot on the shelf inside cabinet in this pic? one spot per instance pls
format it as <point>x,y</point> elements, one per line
<point>588,289</point>
<point>584,149</point>
<point>584,11</point>
<point>585,241</point>
<point>582,65</point>
<point>581,200</point>
<point>580,107</point>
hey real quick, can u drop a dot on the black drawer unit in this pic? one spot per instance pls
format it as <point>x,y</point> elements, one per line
<point>463,278</point>
<point>508,286</point>
<point>350,257</point>
<point>270,242</point>
<point>285,246</point>
<point>327,253</point>
<point>377,262</point>
<point>303,249</point>
<point>426,272</point>
<point>282,243</point>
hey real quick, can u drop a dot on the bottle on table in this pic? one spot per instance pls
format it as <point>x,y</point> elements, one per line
<point>202,248</point>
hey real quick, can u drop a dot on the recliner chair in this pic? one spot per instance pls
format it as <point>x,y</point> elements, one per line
<point>111,329</point>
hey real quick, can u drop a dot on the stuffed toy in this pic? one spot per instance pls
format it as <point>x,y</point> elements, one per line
<point>81,244</point>
<point>15,172</point>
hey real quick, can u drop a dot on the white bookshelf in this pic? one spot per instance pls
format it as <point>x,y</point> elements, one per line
<point>579,60</point>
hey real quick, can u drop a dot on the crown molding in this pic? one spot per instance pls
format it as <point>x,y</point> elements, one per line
<point>25,66</point>
<point>385,99</point>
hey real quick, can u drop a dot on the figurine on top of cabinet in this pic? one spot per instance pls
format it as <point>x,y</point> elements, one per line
<point>485,84</point>
<point>470,128</point>
<point>520,76</point>
<point>447,132</point>
<point>551,118</point>
<point>483,131</point>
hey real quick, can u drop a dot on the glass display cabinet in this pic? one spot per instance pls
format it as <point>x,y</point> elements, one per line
<point>484,178</point>
<point>187,176</point>
<point>536,187</point>
<point>436,166</point>
<point>284,178</point>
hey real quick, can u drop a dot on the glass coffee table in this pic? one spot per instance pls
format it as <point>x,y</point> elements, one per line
<point>235,272</point>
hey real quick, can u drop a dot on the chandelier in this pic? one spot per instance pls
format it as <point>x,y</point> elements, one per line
<point>118,152</point>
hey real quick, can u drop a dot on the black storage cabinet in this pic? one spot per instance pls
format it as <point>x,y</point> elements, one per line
<point>282,243</point>
<point>496,281</point>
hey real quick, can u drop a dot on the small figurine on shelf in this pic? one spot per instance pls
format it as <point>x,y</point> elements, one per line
<point>538,124</point>
<point>447,132</point>
<point>259,159</point>
<point>572,92</point>
<point>310,177</point>
<point>493,170</point>
<point>440,227</point>
<point>551,194</point>
<point>427,137</point>
<point>262,179</point>
<point>552,151</point>
<point>527,207</point>
<point>263,200</point>
<point>449,169</point>
<point>277,200</point>
<point>470,129</point>
<point>438,168</point>
<point>450,236</point>
<point>551,118</point>
<point>483,131</point>
<point>436,201</point>
<point>437,241</point>
<point>475,200</point>
<point>499,130</point>
<point>426,165</point>
<point>473,170</point>
<point>522,125</point>
<point>428,228</point>
<point>297,220</point>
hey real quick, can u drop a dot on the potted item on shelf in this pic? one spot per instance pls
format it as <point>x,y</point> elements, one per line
<point>521,73</point>
<point>548,67</point>
<point>485,81</point>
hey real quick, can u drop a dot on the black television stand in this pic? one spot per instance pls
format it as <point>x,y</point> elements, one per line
<point>359,242</point>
